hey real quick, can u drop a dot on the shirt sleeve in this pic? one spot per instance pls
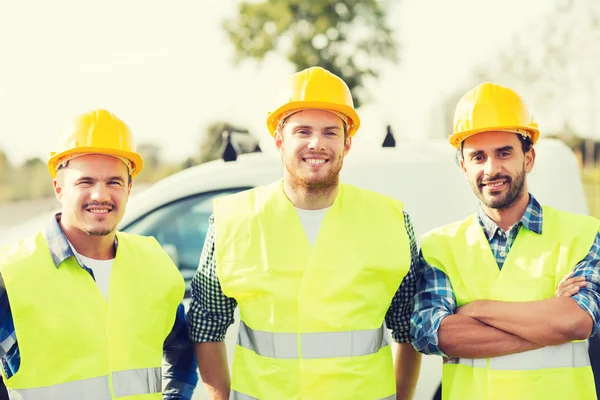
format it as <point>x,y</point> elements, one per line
<point>179,369</point>
<point>9,349</point>
<point>211,312</point>
<point>588,297</point>
<point>397,318</point>
<point>434,301</point>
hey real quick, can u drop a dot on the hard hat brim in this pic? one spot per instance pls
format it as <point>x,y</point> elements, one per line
<point>457,138</point>
<point>135,158</point>
<point>273,118</point>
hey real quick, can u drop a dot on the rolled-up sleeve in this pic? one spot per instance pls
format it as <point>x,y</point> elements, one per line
<point>588,297</point>
<point>211,312</point>
<point>433,302</point>
<point>179,369</point>
<point>397,318</point>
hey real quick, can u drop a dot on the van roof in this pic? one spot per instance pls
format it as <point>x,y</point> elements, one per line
<point>423,175</point>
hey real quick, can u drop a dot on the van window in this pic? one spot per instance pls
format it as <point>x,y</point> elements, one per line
<point>180,227</point>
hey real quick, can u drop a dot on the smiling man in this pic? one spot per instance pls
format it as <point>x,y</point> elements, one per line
<point>318,269</point>
<point>508,295</point>
<point>86,312</point>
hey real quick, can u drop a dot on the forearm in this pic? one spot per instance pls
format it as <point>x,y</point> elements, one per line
<point>214,370</point>
<point>464,337</point>
<point>547,322</point>
<point>407,365</point>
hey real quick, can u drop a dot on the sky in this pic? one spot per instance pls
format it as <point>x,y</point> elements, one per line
<point>166,68</point>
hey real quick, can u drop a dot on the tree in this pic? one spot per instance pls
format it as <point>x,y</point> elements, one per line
<point>349,38</point>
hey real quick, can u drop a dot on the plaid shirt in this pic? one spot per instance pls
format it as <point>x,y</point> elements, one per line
<point>179,363</point>
<point>211,312</point>
<point>435,297</point>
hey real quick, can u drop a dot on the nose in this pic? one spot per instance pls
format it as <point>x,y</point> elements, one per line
<point>315,142</point>
<point>100,192</point>
<point>492,167</point>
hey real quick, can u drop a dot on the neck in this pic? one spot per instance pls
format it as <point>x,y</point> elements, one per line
<point>95,247</point>
<point>508,216</point>
<point>308,198</point>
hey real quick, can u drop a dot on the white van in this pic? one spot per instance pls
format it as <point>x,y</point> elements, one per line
<point>423,175</point>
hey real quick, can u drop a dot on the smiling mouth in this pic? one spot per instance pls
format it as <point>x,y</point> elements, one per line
<point>315,161</point>
<point>100,209</point>
<point>497,184</point>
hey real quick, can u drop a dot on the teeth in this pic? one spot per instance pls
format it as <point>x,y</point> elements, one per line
<point>98,210</point>
<point>495,184</point>
<point>315,161</point>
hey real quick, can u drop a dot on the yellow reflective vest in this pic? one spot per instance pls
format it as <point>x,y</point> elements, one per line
<point>311,317</point>
<point>533,268</point>
<point>73,343</point>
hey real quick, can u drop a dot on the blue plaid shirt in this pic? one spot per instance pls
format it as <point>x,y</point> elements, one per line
<point>211,312</point>
<point>435,297</point>
<point>180,375</point>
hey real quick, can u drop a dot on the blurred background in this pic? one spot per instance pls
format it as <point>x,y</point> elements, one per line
<point>188,76</point>
<point>181,73</point>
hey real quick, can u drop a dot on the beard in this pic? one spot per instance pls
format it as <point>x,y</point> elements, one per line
<point>100,232</point>
<point>514,193</point>
<point>315,185</point>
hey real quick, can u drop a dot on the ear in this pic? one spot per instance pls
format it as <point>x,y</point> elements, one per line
<point>347,145</point>
<point>58,192</point>
<point>463,167</point>
<point>278,140</point>
<point>129,187</point>
<point>529,160</point>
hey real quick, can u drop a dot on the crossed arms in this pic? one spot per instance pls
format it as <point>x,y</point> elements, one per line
<point>487,328</point>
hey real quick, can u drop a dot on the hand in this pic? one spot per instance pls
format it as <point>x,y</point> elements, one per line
<point>568,286</point>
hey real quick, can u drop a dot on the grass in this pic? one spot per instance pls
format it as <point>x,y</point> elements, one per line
<point>591,185</point>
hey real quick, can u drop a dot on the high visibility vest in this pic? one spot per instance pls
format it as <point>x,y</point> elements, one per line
<point>312,319</point>
<point>532,270</point>
<point>76,345</point>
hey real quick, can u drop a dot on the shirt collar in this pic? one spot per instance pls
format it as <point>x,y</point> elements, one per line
<point>531,219</point>
<point>58,244</point>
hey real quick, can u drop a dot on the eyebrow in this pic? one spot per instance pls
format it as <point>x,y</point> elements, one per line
<point>89,178</point>
<point>505,148</point>
<point>479,152</point>
<point>327,128</point>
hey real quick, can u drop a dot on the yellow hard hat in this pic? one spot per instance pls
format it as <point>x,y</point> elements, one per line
<point>96,132</point>
<point>317,88</point>
<point>491,107</point>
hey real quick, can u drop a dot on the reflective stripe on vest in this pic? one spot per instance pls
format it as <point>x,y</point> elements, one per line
<point>125,383</point>
<point>568,355</point>
<point>313,345</point>
<point>137,381</point>
<point>234,395</point>
<point>88,389</point>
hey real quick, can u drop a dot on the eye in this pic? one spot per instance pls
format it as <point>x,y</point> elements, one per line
<point>303,132</point>
<point>478,158</point>
<point>113,183</point>
<point>504,154</point>
<point>330,133</point>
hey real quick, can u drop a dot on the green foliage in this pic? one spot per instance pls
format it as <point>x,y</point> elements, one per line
<point>349,38</point>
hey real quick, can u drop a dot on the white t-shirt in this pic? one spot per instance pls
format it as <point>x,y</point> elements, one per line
<point>311,221</point>
<point>101,269</point>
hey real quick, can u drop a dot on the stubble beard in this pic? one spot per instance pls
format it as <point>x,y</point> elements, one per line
<point>514,194</point>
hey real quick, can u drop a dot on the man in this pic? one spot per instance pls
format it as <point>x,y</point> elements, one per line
<point>315,266</point>
<point>491,299</point>
<point>66,332</point>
